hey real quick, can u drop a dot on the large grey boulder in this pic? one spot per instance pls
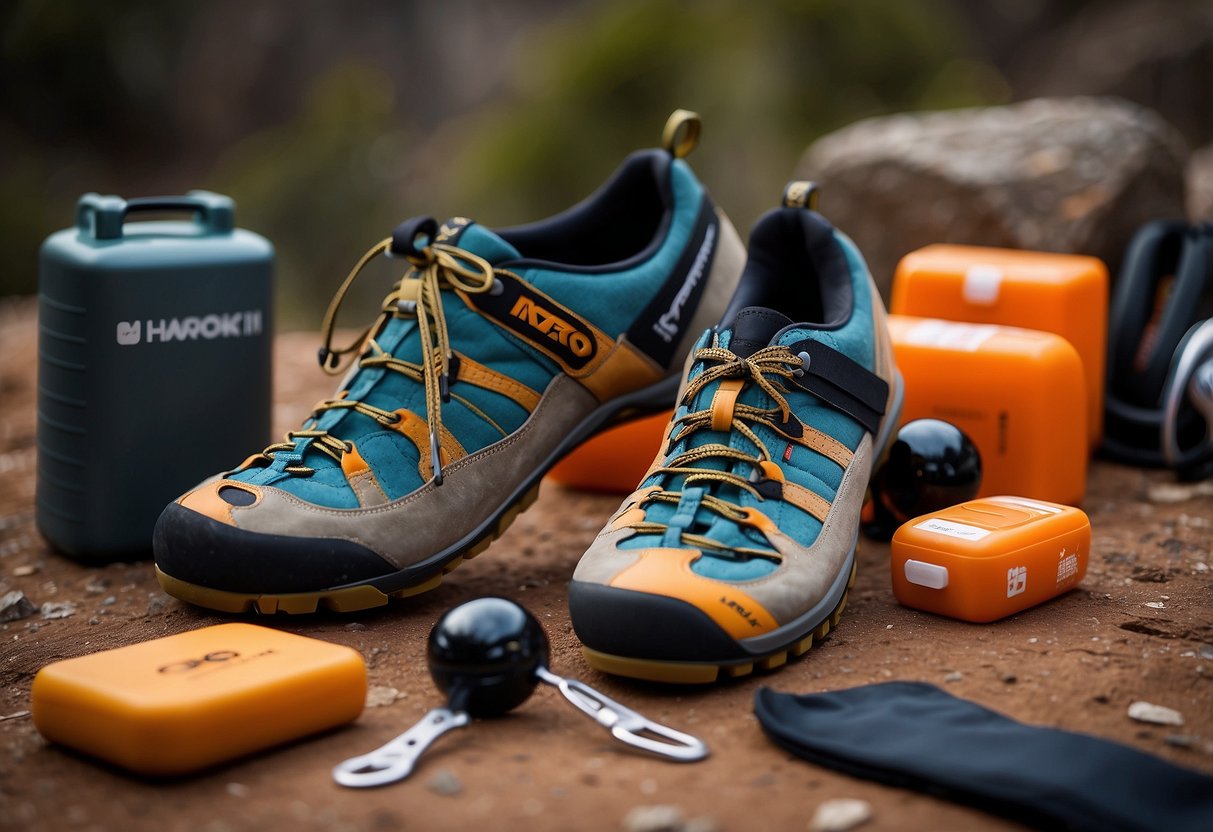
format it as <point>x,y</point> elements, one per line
<point>1067,175</point>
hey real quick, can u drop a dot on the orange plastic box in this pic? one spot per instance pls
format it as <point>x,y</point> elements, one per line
<point>178,704</point>
<point>615,460</point>
<point>1066,294</point>
<point>1018,394</point>
<point>987,559</point>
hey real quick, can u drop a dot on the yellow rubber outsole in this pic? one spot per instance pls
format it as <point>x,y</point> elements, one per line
<point>700,673</point>
<point>346,599</point>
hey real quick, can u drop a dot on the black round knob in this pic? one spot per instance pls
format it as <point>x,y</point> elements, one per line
<point>931,465</point>
<point>484,655</point>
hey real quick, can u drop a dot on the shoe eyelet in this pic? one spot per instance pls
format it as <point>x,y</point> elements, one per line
<point>407,307</point>
<point>497,288</point>
<point>806,360</point>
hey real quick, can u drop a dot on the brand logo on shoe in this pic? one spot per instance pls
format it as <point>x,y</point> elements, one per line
<point>206,327</point>
<point>451,229</point>
<point>740,610</point>
<point>667,325</point>
<point>553,326</point>
<point>540,321</point>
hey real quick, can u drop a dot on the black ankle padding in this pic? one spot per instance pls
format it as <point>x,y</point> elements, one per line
<point>797,266</point>
<point>621,221</point>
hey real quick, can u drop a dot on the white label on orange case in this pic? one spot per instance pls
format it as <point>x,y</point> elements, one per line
<point>981,284</point>
<point>1067,565</point>
<point>1017,580</point>
<point>950,336</point>
<point>960,530</point>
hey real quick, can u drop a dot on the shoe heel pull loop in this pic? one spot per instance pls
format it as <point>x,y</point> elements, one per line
<point>627,725</point>
<point>681,133</point>
<point>801,194</point>
<point>395,760</point>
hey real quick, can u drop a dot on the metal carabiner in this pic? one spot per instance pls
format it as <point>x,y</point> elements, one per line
<point>627,725</point>
<point>395,760</point>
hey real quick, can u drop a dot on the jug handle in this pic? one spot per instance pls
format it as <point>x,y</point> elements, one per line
<point>102,217</point>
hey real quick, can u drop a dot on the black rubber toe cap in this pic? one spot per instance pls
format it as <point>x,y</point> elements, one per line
<point>640,625</point>
<point>194,548</point>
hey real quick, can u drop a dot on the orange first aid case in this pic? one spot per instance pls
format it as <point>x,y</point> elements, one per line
<point>986,559</point>
<point>1017,393</point>
<point>1066,294</point>
<point>181,703</point>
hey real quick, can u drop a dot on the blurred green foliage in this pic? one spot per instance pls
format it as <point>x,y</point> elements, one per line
<point>579,86</point>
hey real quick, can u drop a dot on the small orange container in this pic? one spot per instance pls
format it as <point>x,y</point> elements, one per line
<point>1018,394</point>
<point>1066,294</point>
<point>989,558</point>
<point>615,460</point>
<point>178,704</point>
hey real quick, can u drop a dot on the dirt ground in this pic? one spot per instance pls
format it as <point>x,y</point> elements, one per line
<point>1139,628</point>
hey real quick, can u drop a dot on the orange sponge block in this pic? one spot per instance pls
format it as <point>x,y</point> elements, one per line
<point>181,703</point>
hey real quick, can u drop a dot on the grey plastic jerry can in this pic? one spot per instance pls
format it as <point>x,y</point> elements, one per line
<point>153,364</point>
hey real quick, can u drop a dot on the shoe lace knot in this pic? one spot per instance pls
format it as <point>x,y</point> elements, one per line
<point>765,369</point>
<point>434,267</point>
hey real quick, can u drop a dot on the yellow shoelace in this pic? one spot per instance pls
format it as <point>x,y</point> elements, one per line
<point>435,267</point>
<point>777,362</point>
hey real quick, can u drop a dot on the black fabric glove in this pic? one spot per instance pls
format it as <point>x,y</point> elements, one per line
<point>916,736</point>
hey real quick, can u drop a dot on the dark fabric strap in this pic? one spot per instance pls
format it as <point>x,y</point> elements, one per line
<point>916,736</point>
<point>843,384</point>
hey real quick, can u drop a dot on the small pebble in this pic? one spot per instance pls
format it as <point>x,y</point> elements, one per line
<point>156,603</point>
<point>379,696</point>
<point>1010,679</point>
<point>109,601</point>
<point>14,606</point>
<point>654,819</point>
<point>27,569</point>
<point>1155,605</point>
<point>58,609</point>
<point>1206,651</point>
<point>94,621</point>
<point>840,814</point>
<point>1155,714</point>
<point>954,676</point>
<point>355,625</point>
<point>1180,740</point>
<point>445,783</point>
<point>1033,640</point>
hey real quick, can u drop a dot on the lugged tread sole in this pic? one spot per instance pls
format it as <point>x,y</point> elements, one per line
<point>701,673</point>
<point>355,598</point>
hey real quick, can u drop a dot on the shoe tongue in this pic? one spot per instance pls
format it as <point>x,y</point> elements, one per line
<point>473,237</point>
<point>753,329</point>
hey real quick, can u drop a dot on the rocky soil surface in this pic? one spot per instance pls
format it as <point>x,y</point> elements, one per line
<point>1139,629</point>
